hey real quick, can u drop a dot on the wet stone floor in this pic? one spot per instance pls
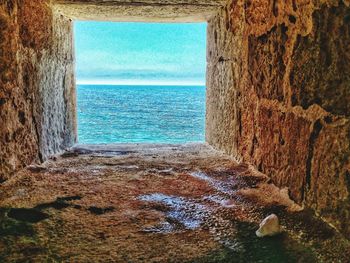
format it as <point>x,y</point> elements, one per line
<point>154,203</point>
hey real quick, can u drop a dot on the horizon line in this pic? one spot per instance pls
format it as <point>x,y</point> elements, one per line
<point>139,83</point>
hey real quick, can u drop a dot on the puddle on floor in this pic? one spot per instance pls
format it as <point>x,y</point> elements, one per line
<point>238,239</point>
<point>180,213</point>
<point>216,213</point>
<point>221,186</point>
<point>146,207</point>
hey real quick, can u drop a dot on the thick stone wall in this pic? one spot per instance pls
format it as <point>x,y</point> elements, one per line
<point>278,86</point>
<point>140,10</point>
<point>279,96</point>
<point>37,94</point>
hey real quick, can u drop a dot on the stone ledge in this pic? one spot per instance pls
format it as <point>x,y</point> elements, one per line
<point>140,11</point>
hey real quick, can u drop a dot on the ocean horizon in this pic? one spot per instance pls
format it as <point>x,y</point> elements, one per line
<point>140,113</point>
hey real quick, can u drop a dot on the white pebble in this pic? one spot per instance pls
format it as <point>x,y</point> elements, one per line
<point>269,226</point>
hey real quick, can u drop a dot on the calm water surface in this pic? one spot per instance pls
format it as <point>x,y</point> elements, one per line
<point>163,114</point>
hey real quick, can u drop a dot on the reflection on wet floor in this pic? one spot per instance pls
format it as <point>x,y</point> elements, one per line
<point>167,204</point>
<point>181,214</point>
<point>237,236</point>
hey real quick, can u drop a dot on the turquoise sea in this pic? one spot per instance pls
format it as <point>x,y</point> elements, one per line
<point>154,114</point>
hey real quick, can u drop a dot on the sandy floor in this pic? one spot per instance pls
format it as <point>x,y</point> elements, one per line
<point>154,203</point>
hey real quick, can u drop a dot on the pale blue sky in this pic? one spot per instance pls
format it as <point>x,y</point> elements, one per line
<point>140,53</point>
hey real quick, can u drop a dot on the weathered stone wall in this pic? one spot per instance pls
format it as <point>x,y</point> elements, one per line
<point>37,94</point>
<point>279,96</point>
<point>278,86</point>
<point>140,10</point>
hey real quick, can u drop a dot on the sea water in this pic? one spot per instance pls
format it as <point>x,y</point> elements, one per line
<point>132,114</point>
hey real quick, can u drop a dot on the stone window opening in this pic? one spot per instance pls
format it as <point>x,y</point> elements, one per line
<point>119,103</point>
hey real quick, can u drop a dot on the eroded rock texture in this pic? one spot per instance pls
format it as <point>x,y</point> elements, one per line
<point>37,95</point>
<point>281,102</point>
<point>278,85</point>
<point>154,203</point>
<point>140,10</point>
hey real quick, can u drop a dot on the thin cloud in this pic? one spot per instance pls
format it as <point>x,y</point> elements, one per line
<point>180,59</point>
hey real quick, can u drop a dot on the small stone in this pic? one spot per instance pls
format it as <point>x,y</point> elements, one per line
<point>269,226</point>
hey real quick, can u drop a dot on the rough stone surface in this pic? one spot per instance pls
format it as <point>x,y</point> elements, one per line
<point>278,86</point>
<point>141,10</point>
<point>320,73</point>
<point>154,203</point>
<point>37,93</point>
<point>282,100</point>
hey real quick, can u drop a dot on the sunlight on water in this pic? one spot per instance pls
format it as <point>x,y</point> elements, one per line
<point>163,114</point>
